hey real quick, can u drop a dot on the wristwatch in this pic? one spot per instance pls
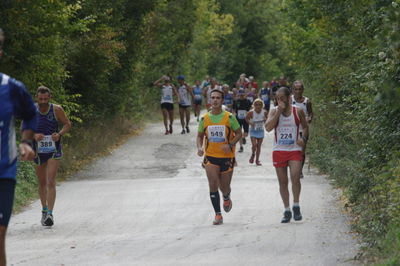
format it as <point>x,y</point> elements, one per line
<point>27,141</point>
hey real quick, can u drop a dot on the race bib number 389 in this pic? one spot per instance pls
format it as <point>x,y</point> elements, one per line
<point>46,145</point>
<point>216,133</point>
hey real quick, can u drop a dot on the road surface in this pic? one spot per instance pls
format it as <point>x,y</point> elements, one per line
<point>148,204</point>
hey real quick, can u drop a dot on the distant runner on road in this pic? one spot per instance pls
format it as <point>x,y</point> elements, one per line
<point>198,99</point>
<point>168,91</point>
<point>15,101</point>
<point>218,131</point>
<point>186,95</point>
<point>48,149</point>
<point>256,118</point>
<point>241,106</point>
<point>287,150</point>
<point>303,103</point>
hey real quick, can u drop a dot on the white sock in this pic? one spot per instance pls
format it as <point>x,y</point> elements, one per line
<point>296,204</point>
<point>287,208</point>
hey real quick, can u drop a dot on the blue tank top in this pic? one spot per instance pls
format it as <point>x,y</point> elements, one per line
<point>15,101</point>
<point>197,91</point>
<point>228,99</point>
<point>265,95</point>
<point>47,123</point>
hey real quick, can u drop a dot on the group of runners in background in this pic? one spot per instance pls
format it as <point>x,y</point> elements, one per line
<point>234,112</point>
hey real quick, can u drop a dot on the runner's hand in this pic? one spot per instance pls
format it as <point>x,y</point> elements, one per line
<point>38,137</point>
<point>226,148</point>
<point>55,137</point>
<point>26,152</point>
<point>200,152</point>
<point>281,106</point>
<point>301,142</point>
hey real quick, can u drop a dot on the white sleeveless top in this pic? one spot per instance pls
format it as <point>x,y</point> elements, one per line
<point>287,132</point>
<point>258,119</point>
<point>166,91</point>
<point>302,105</point>
<point>184,95</point>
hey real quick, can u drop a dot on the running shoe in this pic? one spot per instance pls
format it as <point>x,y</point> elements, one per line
<point>44,214</point>
<point>218,219</point>
<point>187,130</point>
<point>170,129</point>
<point>258,163</point>
<point>49,221</point>
<point>166,132</point>
<point>287,215</point>
<point>227,205</point>
<point>183,131</point>
<point>244,141</point>
<point>252,158</point>
<point>241,149</point>
<point>297,214</point>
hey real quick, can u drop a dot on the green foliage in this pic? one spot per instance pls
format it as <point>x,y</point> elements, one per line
<point>26,187</point>
<point>347,54</point>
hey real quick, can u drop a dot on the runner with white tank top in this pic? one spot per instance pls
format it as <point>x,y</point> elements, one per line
<point>305,104</point>
<point>256,119</point>
<point>285,119</point>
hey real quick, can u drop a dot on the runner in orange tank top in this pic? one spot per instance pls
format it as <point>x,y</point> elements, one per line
<point>218,133</point>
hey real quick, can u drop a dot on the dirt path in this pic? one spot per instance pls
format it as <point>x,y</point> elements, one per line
<point>148,204</point>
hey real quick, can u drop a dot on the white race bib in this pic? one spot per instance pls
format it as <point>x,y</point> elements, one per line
<point>242,114</point>
<point>197,97</point>
<point>264,97</point>
<point>287,136</point>
<point>259,125</point>
<point>46,145</point>
<point>216,133</point>
<point>167,98</point>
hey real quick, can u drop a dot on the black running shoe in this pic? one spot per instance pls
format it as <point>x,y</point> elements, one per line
<point>241,149</point>
<point>244,141</point>
<point>44,214</point>
<point>170,129</point>
<point>49,221</point>
<point>183,131</point>
<point>296,213</point>
<point>287,215</point>
<point>187,130</point>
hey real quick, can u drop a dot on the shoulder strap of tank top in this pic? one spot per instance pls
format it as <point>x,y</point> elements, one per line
<point>296,116</point>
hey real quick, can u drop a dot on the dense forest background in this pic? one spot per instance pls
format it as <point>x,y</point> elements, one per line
<point>100,58</point>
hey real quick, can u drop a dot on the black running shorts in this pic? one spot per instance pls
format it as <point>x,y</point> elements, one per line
<point>225,164</point>
<point>244,125</point>
<point>168,106</point>
<point>7,190</point>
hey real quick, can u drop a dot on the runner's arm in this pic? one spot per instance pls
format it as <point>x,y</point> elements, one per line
<point>249,115</point>
<point>310,111</point>
<point>199,143</point>
<point>158,82</point>
<point>176,92</point>
<point>25,109</point>
<point>62,117</point>
<point>304,124</point>
<point>272,120</point>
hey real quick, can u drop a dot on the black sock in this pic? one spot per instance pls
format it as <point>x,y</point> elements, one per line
<point>214,196</point>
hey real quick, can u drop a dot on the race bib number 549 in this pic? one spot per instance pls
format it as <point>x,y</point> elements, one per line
<point>46,145</point>
<point>216,133</point>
